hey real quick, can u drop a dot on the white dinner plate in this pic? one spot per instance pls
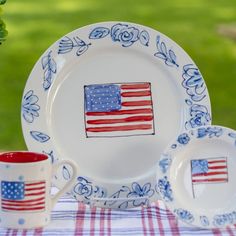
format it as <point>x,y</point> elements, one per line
<point>197,177</point>
<point>110,96</point>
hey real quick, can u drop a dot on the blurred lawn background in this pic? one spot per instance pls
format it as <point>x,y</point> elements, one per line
<point>34,25</point>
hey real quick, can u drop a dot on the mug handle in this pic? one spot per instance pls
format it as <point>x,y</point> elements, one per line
<point>69,183</point>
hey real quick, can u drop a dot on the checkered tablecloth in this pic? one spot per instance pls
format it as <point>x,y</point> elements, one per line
<point>70,217</point>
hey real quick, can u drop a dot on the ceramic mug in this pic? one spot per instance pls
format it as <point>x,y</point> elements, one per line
<point>25,189</point>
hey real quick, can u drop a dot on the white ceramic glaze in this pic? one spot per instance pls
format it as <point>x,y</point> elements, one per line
<point>196,177</point>
<point>129,63</point>
<point>26,201</point>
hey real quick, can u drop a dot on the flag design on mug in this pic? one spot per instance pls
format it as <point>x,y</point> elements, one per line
<point>23,196</point>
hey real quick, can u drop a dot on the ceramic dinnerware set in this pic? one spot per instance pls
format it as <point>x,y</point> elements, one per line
<point>130,108</point>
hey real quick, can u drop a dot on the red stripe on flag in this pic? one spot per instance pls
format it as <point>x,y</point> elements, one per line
<point>121,112</point>
<point>137,103</point>
<point>20,204</point>
<point>213,162</point>
<point>216,167</point>
<point>26,201</point>
<point>34,194</point>
<point>135,86</point>
<point>210,173</point>
<point>124,120</point>
<point>23,208</point>
<point>143,93</point>
<point>31,189</point>
<point>209,180</point>
<point>119,128</point>
<point>31,184</point>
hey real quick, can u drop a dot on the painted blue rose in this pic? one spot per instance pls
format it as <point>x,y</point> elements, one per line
<point>83,187</point>
<point>199,115</point>
<point>183,139</point>
<point>124,34</point>
<point>138,191</point>
<point>30,108</point>
<point>164,189</point>
<point>193,82</point>
<point>184,215</point>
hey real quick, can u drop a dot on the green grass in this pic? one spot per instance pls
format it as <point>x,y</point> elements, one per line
<point>34,25</point>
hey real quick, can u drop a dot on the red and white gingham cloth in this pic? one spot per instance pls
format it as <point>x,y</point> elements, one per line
<point>72,218</point>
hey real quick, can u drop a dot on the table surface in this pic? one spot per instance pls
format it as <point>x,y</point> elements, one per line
<point>69,217</point>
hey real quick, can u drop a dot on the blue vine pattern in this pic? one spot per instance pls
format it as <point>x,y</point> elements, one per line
<point>39,136</point>
<point>85,188</point>
<point>123,33</point>
<point>141,193</point>
<point>165,163</point>
<point>233,135</point>
<point>184,215</point>
<point>67,44</point>
<point>165,54</point>
<point>210,132</point>
<point>193,82</point>
<point>224,219</point>
<point>204,221</point>
<point>30,108</point>
<point>163,188</point>
<point>50,67</point>
<point>199,115</point>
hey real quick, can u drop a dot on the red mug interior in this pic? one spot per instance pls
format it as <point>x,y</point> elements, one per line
<point>22,157</point>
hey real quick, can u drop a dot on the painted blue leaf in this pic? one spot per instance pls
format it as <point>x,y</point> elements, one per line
<point>232,135</point>
<point>45,61</point>
<point>66,174</point>
<point>160,55</point>
<point>78,42</point>
<point>99,32</point>
<point>39,136</point>
<point>163,48</point>
<point>81,50</point>
<point>172,56</point>
<point>144,38</point>
<point>52,65</point>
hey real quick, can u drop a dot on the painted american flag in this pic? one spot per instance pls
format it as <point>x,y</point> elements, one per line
<point>23,196</point>
<point>118,109</point>
<point>212,170</point>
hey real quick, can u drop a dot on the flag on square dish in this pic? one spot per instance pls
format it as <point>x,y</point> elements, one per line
<point>23,196</point>
<point>118,110</point>
<point>212,170</point>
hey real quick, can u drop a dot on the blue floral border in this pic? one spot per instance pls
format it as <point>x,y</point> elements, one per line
<point>126,35</point>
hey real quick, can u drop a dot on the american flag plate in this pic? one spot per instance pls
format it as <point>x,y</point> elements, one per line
<point>197,177</point>
<point>110,96</point>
